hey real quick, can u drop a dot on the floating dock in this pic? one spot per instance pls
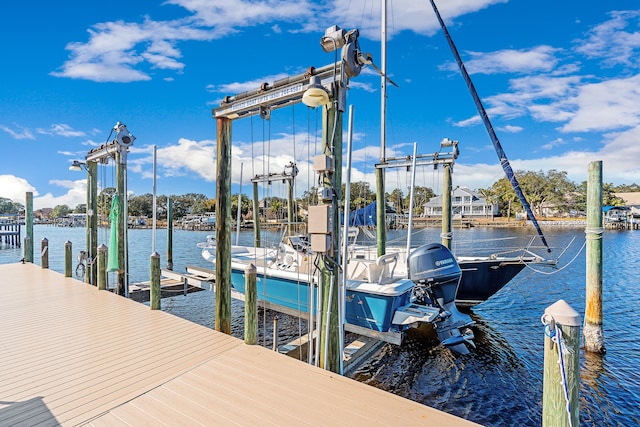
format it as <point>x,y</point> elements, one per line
<point>73,355</point>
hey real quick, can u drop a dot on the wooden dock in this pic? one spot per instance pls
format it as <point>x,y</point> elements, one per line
<point>73,355</point>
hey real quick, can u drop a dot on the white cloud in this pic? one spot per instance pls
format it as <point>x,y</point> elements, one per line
<point>539,58</point>
<point>115,49</point>
<point>23,133</point>
<point>14,188</point>
<point>412,15</point>
<point>240,87</point>
<point>610,104</point>
<point>61,129</point>
<point>611,42</point>
<point>125,51</point>
<point>189,156</point>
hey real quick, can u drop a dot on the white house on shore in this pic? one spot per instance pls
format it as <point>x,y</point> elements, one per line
<point>465,203</point>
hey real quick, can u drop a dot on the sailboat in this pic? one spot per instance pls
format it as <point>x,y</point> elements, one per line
<point>483,275</point>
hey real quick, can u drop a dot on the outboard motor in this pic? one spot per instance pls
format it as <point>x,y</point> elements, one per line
<point>436,274</point>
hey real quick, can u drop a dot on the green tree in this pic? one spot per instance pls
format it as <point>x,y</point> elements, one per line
<point>421,195</point>
<point>8,206</point>
<point>81,208</point>
<point>540,189</point>
<point>609,197</point>
<point>60,211</point>
<point>397,197</point>
<point>141,205</point>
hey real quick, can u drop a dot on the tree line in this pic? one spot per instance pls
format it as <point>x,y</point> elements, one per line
<point>542,189</point>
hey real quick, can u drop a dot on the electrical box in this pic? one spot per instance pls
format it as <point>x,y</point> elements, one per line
<point>325,194</point>
<point>320,243</point>
<point>320,219</point>
<point>323,163</point>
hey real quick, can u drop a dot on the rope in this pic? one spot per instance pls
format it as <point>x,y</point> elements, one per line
<point>548,273</point>
<point>555,334</point>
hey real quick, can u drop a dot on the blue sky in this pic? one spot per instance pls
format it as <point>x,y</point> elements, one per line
<point>560,81</point>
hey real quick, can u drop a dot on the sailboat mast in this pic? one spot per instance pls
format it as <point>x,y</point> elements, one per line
<point>502,157</point>
<point>381,230</point>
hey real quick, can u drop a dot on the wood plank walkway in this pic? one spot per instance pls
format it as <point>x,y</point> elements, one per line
<point>73,355</point>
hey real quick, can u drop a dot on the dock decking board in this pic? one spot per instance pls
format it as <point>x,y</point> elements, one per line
<point>71,355</point>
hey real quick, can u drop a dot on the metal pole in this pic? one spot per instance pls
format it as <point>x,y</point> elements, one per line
<point>411,192</point>
<point>592,333</point>
<point>561,381</point>
<point>345,241</point>
<point>223,226</point>
<point>153,235</point>
<point>256,216</point>
<point>92,221</point>
<point>381,223</point>
<point>239,212</point>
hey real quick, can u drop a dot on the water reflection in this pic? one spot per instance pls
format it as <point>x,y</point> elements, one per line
<point>483,386</point>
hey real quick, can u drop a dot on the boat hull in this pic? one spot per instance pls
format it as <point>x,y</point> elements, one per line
<point>367,305</point>
<point>290,292</point>
<point>374,308</point>
<point>482,278</point>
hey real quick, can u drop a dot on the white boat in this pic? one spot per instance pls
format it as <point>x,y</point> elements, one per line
<point>378,302</point>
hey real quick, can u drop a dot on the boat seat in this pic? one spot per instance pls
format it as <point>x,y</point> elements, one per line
<point>379,271</point>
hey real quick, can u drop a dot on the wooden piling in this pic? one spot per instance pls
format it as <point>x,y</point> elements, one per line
<point>561,382</point>
<point>447,220</point>
<point>169,233</point>
<point>102,267</point>
<point>592,332</point>
<point>275,333</point>
<point>28,222</point>
<point>154,267</point>
<point>121,284</point>
<point>44,253</point>
<point>68,259</point>
<point>223,226</point>
<point>330,338</point>
<point>250,306</point>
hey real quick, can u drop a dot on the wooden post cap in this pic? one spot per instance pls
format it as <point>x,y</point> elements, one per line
<point>250,269</point>
<point>563,313</point>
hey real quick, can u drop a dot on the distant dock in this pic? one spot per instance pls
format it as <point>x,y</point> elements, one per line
<point>74,355</point>
<point>10,233</point>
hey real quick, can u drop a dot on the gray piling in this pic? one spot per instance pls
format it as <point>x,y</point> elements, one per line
<point>68,263</point>
<point>102,267</point>
<point>44,253</point>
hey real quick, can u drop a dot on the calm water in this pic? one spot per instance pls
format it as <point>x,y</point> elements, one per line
<point>499,383</point>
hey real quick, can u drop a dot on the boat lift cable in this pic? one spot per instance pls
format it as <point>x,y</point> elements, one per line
<point>504,162</point>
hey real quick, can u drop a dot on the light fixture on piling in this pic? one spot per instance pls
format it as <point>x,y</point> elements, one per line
<point>316,94</point>
<point>77,166</point>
